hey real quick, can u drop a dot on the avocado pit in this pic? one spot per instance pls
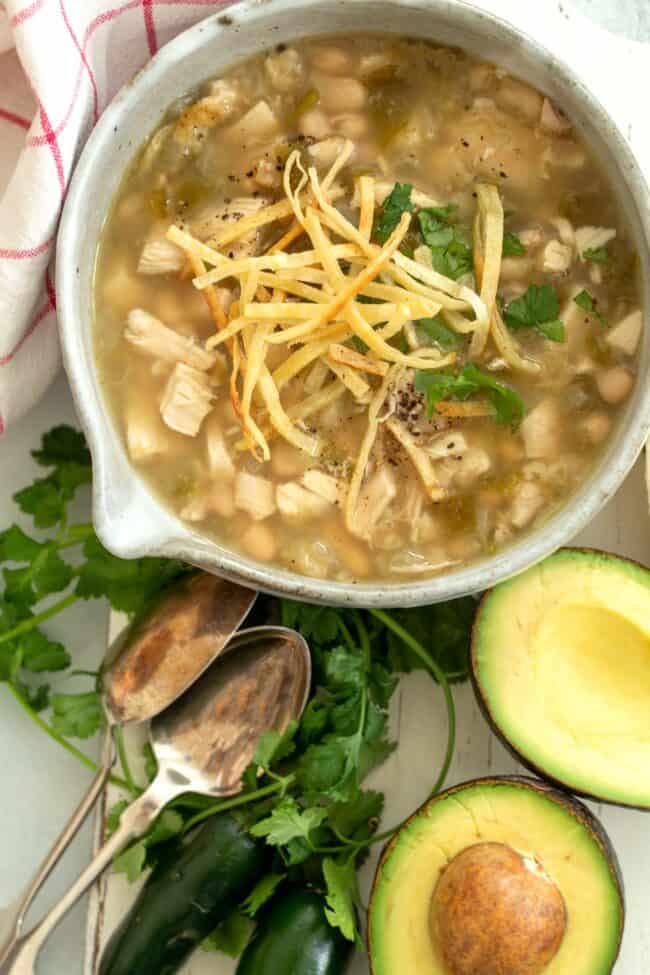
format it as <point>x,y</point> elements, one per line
<point>496,911</point>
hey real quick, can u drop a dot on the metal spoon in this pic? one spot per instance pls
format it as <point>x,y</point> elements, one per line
<point>146,668</point>
<point>203,743</point>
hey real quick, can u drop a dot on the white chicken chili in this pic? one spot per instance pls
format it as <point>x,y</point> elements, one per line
<point>365,308</point>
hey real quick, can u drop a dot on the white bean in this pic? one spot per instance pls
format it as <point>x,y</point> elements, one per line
<point>222,500</point>
<point>331,60</point>
<point>341,94</point>
<point>614,384</point>
<point>315,124</point>
<point>596,427</point>
<point>351,125</point>
<point>259,542</point>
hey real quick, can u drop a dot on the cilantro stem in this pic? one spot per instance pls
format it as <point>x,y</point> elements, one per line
<point>347,636</point>
<point>29,624</point>
<point>439,675</point>
<point>124,760</point>
<point>242,800</point>
<point>69,747</point>
<point>364,638</point>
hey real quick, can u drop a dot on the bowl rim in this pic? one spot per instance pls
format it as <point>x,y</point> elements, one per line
<point>160,532</point>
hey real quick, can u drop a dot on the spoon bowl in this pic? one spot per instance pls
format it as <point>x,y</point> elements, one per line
<point>174,642</point>
<point>210,734</point>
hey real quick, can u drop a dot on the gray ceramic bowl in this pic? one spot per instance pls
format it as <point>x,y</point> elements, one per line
<point>128,517</point>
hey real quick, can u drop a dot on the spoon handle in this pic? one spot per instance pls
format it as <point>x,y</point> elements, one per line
<point>135,821</point>
<point>15,918</point>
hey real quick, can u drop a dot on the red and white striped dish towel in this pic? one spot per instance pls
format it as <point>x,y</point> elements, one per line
<point>61,61</point>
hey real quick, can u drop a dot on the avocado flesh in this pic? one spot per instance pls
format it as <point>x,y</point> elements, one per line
<point>561,659</point>
<point>529,820</point>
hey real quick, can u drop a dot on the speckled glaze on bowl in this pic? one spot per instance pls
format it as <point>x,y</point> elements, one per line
<point>129,519</point>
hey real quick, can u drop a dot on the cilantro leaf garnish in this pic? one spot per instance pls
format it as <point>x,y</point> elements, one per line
<point>437,386</point>
<point>77,715</point>
<point>289,822</point>
<point>435,331</point>
<point>131,861</point>
<point>262,892</point>
<point>538,308</point>
<point>65,450</point>
<point>231,936</point>
<point>450,244</point>
<point>135,858</point>
<point>342,897</point>
<point>512,246</point>
<point>586,301</point>
<point>396,203</point>
<point>599,255</point>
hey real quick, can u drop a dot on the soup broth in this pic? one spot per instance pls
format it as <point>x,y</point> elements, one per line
<point>365,308</point>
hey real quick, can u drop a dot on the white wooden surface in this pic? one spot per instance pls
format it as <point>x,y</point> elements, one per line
<point>41,783</point>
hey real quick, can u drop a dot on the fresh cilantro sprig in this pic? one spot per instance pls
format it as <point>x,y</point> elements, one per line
<point>587,302</point>
<point>396,203</point>
<point>512,245</point>
<point>434,331</point>
<point>598,255</point>
<point>438,386</point>
<point>450,243</point>
<point>538,308</point>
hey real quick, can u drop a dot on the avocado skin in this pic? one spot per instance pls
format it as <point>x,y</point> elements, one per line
<point>577,808</point>
<point>510,747</point>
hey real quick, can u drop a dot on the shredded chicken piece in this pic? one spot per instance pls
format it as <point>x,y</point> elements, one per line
<point>255,495</point>
<point>160,256</point>
<point>326,151</point>
<point>553,119</point>
<point>284,69</point>
<point>186,400</point>
<point>451,444</point>
<point>541,430</point>
<point>324,485</point>
<point>528,499</point>
<point>259,124</point>
<point>147,438</point>
<point>296,503</point>
<point>419,458</point>
<point>592,238</point>
<point>197,119</point>
<point>625,336</point>
<point>557,257</point>
<point>374,499</point>
<point>220,462</point>
<point>152,337</point>
<point>214,220</point>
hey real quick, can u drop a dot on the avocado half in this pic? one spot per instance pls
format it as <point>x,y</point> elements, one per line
<point>497,874</point>
<point>560,662</point>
